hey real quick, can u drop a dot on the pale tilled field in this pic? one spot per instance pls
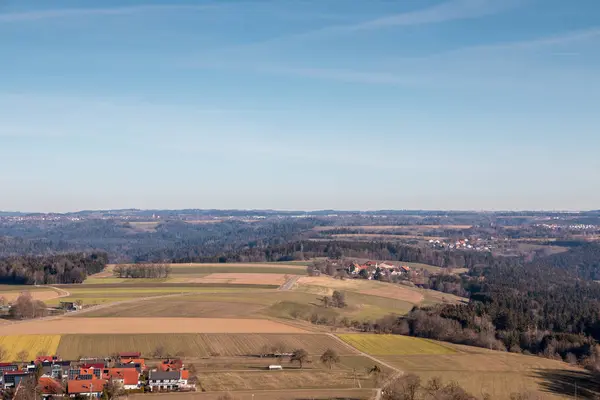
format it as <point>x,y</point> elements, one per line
<point>146,325</point>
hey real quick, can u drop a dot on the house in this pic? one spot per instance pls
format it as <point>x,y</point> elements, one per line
<point>8,367</point>
<point>405,268</point>
<point>372,264</point>
<point>387,266</point>
<point>49,387</point>
<point>85,373</point>
<point>86,387</point>
<point>57,370</point>
<point>128,377</point>
<point>96,365</point>
<point>134,366</point>
<point>69,306</point>
<point>171,365</point>
<point>12,378</point>
<point>43,359</point>
<point>169,380</point>
<point>138,363</point>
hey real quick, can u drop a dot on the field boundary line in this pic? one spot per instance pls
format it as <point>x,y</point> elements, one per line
<point>397,371</point>
<point>362,353</point>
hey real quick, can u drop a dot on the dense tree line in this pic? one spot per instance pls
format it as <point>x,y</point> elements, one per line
<point>142,271</point>
<point>125,242</point>
<point>542,307</point>
<point>63,268</point>
<point>376,250</point>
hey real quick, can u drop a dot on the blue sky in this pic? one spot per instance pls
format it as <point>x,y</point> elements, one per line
<point>345,104</point>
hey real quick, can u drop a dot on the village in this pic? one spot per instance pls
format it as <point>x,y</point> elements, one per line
<point>122,373</point>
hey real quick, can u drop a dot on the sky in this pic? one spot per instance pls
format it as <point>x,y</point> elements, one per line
<point>300,104</point>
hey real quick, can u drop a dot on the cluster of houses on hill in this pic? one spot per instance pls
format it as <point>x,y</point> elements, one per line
<point>370,269</point>
<point>89,377</point>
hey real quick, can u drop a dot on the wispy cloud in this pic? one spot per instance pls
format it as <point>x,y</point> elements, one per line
<point>482,66</point>
<point>81,12</point>
<point>452,10</point>
<point>447,11</point>
<point>546,41</point>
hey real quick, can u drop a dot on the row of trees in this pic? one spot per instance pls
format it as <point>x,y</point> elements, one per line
<point>63,268</point>
<point>142,271</point>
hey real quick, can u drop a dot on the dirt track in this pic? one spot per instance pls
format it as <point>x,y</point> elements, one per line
<point>146,325</point>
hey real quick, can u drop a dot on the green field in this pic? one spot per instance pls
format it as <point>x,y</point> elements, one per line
<point>381,345</point>
<point>108,293</point>
<point>194,345</point>
<point>197,269</point>
<point>479,371</point>
<point>248,303</point>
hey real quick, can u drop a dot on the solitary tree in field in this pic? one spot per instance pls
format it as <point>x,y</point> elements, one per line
<point>22,355</point>
<point>329,358</point>
<point>300,356</point>
<point>3,353</point>
<point>338,299</point>
<point>160,352</point>
<point>375,372</point>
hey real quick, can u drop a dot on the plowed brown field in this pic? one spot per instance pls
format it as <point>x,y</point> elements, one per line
<point>252,279</point>
<point>147,325</point>
<point>42,295</point>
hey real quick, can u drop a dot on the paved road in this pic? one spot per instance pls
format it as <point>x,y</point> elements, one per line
<point>289,283</point>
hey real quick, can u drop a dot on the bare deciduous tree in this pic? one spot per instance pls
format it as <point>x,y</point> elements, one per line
<point>22,355</point>
<point>329,358</point>
<point>299,356</point>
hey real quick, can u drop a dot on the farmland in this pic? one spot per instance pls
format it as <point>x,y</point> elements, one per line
<point>479,371</point>
<point>145,325</point>
<point>256,304</point>
<point>383,345</point>
<point>194,345</point>
<point>264,380</point>
<point>325,285</point>
<point>113,292</point>
<point>299,394</point>
<point>37,293</point>
<point>246,279</point>
<point>31,344</point>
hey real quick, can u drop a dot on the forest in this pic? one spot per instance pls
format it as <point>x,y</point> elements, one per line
<point>307,249</point>
<point>55,269</point>
<point>542,307</point>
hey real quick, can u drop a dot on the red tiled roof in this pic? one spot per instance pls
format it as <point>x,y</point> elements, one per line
<point>86,386</point>
<point>93,365</point>
<point>185,374</point>
<point>87,371</point>
<point>127,360</point>
<point>44,358</point>
<point>128,375</point>
<point>16,373</point>
<point>49,386</point>
<point>170,365</point>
